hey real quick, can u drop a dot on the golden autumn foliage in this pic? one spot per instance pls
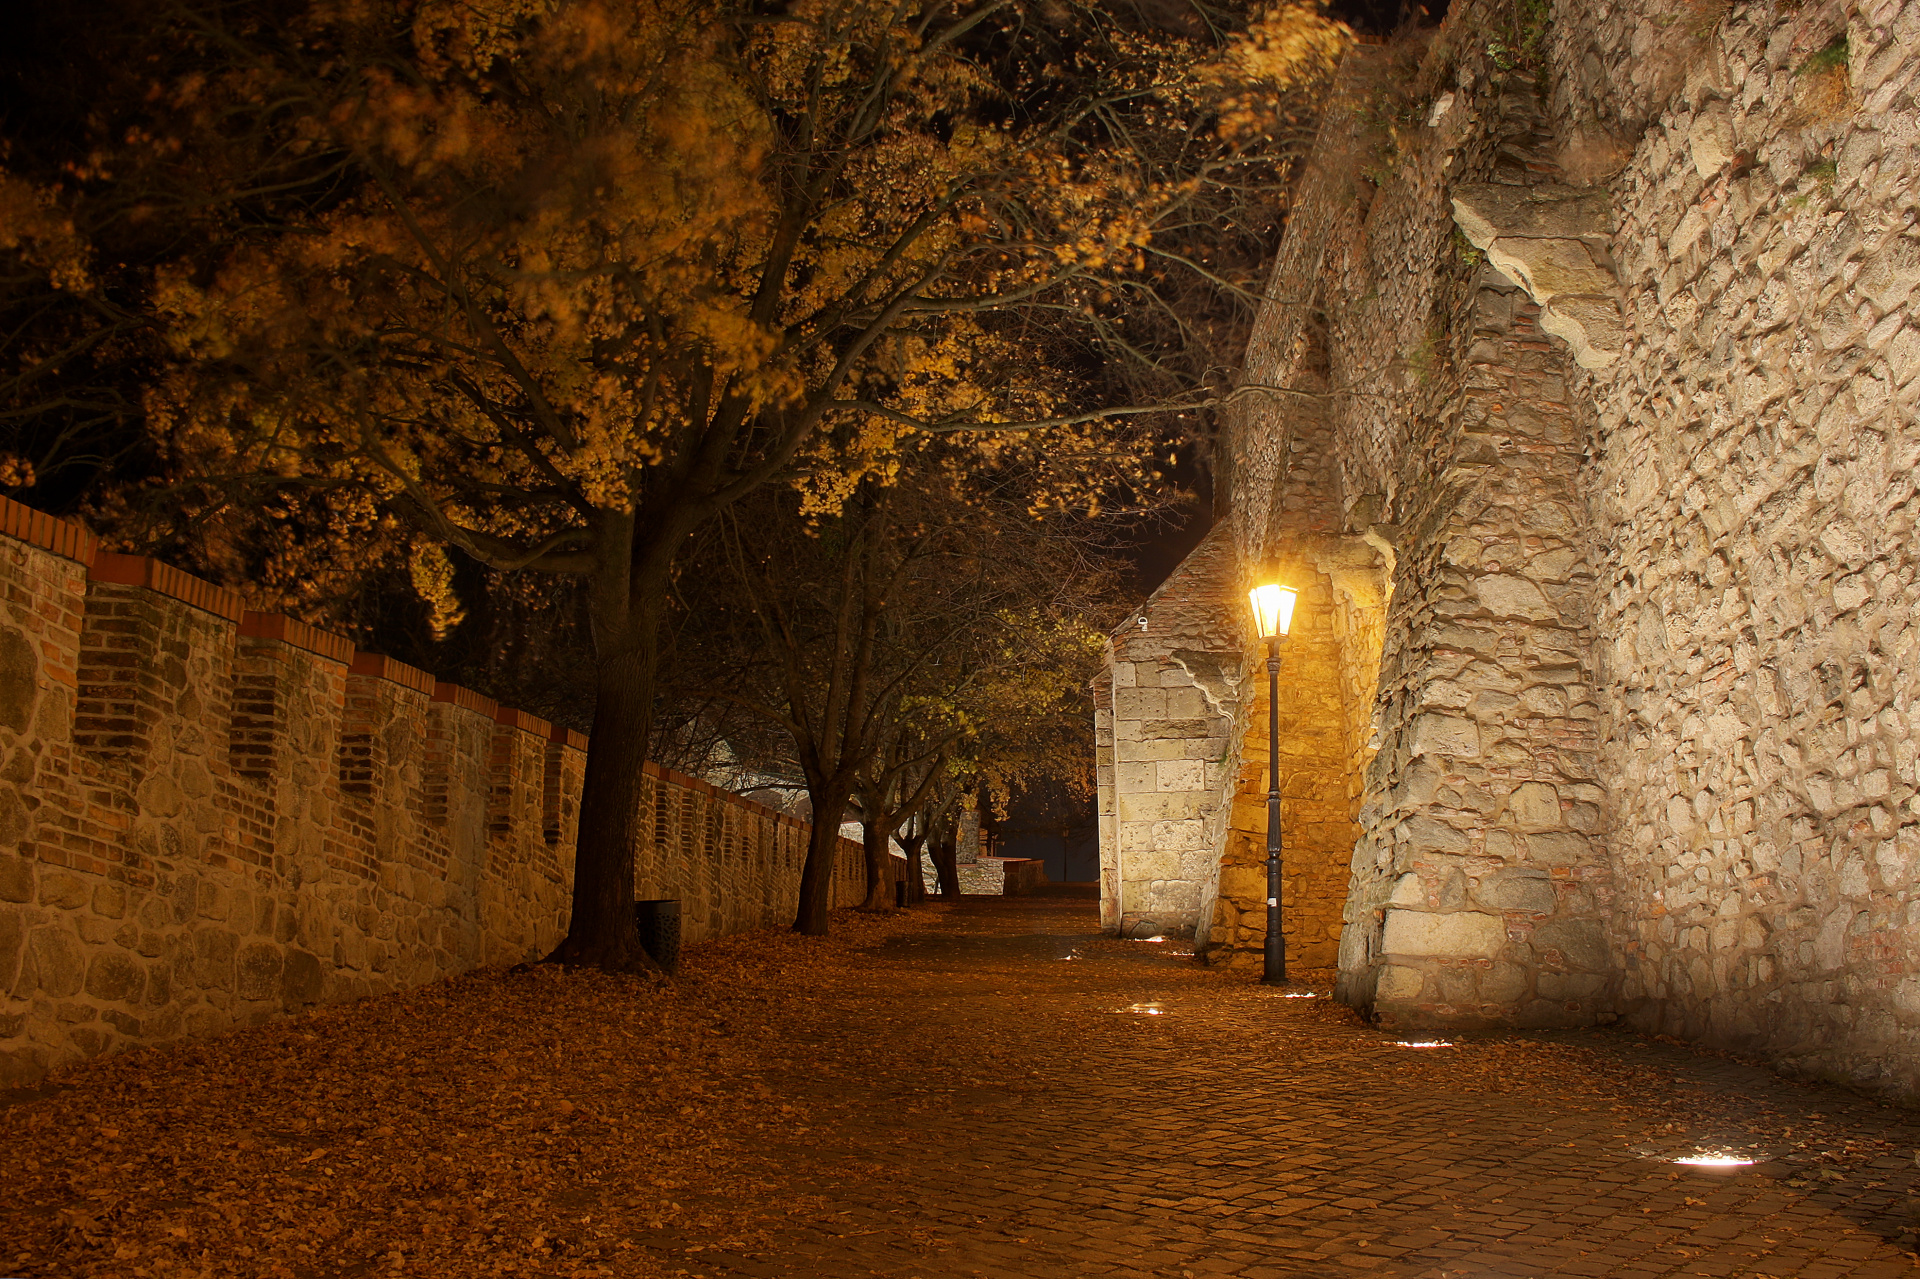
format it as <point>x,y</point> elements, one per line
<point>554,282</point>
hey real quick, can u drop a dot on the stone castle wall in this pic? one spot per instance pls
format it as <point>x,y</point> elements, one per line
<point>1611,320</point>
<point>210,817</point>
<point>1754,488</point>
<point>1475,896</point>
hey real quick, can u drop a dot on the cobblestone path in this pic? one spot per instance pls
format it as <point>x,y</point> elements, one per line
<point>987,1089</point>
<point>1142,1117</point>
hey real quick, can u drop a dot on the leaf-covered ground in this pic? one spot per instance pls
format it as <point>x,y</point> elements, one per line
<point>990,1089</point>
<point>529,1122</point>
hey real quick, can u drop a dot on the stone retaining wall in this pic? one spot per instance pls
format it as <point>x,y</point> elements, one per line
<point>210,816</point>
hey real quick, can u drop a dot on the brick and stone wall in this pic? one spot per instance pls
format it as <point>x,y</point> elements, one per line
<point>210,816</point>
<point>1606,316</point>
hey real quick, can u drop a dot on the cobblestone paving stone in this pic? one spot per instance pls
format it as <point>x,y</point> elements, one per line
<point>1146,1117</point>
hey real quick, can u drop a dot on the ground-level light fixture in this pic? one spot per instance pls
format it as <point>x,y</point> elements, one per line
<point>1272,618</point>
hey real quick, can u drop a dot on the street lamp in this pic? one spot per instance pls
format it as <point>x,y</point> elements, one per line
<point>1272,615</point>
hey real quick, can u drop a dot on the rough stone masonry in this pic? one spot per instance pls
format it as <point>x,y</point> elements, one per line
<point>211,816</point>
<point>1596,454</point>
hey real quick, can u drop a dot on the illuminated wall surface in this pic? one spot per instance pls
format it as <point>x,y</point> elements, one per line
<point>1596,470</point>
<point>210,817</point>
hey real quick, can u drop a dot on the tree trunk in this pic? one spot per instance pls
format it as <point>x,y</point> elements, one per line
<point>601,931</point>
<point>916,885</point>
<point>873,845</point>
<point>946,865</point>
<point>823,846</point>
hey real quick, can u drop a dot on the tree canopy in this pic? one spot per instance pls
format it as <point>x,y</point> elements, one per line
<point>550,284</point>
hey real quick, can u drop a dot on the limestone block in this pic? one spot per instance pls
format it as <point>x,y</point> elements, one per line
<point>1244,883</point>
<point>1397,982</point>
<point>1424,834</point>
<point>1134,778</point>
<point>1408,891</point>
<point>1891,275</point>
<point>1163,806</point>
<point>1570,985</point>
<point>1180,775</point>
<point>1446,695</point>
<point>1535,806</point>
<point>1465,639</point>
<point>1548,269</point>
<point>1505,595</point>
<point>1139,704</point>
<point>1581,942</point>
<point>1488,211</point>
<point>1710,139</point>
<point>1435,734</point>
<point>1186,703</point>
<point>1179,835</point>
<point>1559,848</point>
<point>1830,944</point>
<point>1180,730</point>
<point>1502,984</point>
<point>1455,935</point>
<point>1152,864</point>
<point>1518,888</point>
<point>1590,326</point>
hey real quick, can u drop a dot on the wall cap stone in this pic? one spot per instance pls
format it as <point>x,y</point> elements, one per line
<point>296,634</point>
<point>379,667</point>
<point>48,532</point>
<point>526,723</point>
<point>464,698</point>
<point>164,579</point>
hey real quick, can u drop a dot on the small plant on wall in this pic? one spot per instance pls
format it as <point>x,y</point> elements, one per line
<point>1821,88</point>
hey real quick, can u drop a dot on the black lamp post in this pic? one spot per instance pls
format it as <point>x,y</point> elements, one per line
<point>1273,615</point>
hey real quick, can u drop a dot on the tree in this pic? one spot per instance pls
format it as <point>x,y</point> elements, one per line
<point>555,284</point>
<point>897,783</point>
<point>875,639</point>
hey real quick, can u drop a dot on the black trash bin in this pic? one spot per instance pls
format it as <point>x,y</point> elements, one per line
<point>900,893</point>
<point>659,924</point>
